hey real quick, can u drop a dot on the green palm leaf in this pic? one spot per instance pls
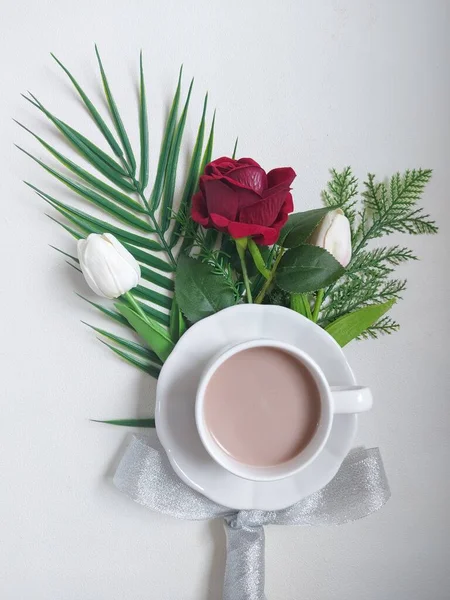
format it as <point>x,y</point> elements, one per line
<point>165,147</point>
<point>172,164</point>
<point>155,297</point>
<point>147,423</point>
<point>143,365</point>
<point>92,153</point>
<point>120,213</point>
<point>192,176</point>
<point>157,315</point>
<point>76,234</point>
<point>209,146</point>
<point>143,129</point>
<point>114,196</point>
<point>116,116</point>
<point>149,259</point>
<point>101,186</point>
<point>138,349</point>
<point>74,258</point>
<point>156,278</point>
<point>97,225</point>
<point>94,112</point>
<point>235,148</point>
<point>112,314</point>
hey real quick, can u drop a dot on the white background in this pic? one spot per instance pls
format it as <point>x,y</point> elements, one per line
<point>308,84</point>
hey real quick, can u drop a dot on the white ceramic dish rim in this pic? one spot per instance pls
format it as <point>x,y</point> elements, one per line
<point>267,495</point>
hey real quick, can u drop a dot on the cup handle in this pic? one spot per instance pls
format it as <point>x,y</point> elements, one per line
<point>353,399</point>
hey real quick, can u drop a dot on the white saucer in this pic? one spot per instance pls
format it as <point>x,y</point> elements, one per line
<point>175,403</point>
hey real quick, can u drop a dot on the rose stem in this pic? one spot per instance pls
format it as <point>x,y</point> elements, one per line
<point>241,245</point>
<point>128,296</point>
<point>258,259</point>
<point>268,282</point>
<point>317,305</point>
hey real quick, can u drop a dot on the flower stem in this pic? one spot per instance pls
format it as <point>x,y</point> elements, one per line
<point>151,215</point>
<point>300,303</point>
<point>131,300</point>
<point>317,305</point>
<point>258,259</point>
<point>241,245</point>
<point>268,282</point>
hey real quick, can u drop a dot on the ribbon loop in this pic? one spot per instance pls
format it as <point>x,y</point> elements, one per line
<point>359,488</point>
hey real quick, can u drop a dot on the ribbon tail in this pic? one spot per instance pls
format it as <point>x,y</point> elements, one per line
<point>245,565</point>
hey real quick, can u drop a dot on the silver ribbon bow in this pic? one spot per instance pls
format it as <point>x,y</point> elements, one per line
<point>359,488</point>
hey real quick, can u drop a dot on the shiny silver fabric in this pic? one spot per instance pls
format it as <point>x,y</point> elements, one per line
<point>359,488</point>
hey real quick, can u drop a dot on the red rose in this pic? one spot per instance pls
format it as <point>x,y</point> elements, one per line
<point>239,198</point>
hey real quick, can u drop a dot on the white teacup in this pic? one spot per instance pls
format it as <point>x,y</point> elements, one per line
<point>333,400</point>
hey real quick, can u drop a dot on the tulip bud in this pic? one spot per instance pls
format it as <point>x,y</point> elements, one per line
<point>109,269</point>
<point>334,234</point>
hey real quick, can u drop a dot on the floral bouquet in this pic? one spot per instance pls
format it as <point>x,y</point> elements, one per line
<point>166,261</point>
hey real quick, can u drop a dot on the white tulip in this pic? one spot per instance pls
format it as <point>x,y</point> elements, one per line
<point>109,269</point>
<point>334,234</point>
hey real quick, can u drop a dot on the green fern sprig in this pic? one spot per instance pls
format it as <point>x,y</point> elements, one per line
<point>386,325</point>
<point>385,208</point>
<point>341,192</point>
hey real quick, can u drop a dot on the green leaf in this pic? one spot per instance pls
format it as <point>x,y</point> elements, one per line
<point>94,225</point>
<point>192,176</point>
<point>150,331</point>
<point>148,294</point>
<point>94,112</point>
<point>155,197</point>
<point>352,325</point>
<point>74,258</point>
<point>307,269</point>
<point>127,344</point>
<point>300,303</point>
<point>258,259</point>
<point>199,291</point>
<point>143,130</point>
<point>112,314</point>
<point>77,235</point>
<point>73,266</point>
<point>145,366</point>
<point>235,148</point>
<point>156,278</point>
<point>209,146</point>
<point>116,116</point>
<point>177,323</point>
<point>99,159</point>
<point>86,176</point>
<point>172,164</point>
<point>120,213</point>
<point>211,238</point>
<point>341,193</point>
<point>155,314</point>
<point>129,422</point>
<point>149,259</point>
<point>300,226</point>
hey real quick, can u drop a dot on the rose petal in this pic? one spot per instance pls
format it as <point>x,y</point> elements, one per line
<point>264,212</point>
<point>251,177</point>
<point>249,162</point>
<point>219,222</point>
<point>199,211</point>
<point>261,235</point>
<point>282,176</point>
<point>220,198</point>
<point>220,166</point>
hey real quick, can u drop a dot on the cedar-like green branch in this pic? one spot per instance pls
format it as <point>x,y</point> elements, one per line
<point>385,208</point>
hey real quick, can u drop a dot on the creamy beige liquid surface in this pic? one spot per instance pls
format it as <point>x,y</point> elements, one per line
<point>262,406</point>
